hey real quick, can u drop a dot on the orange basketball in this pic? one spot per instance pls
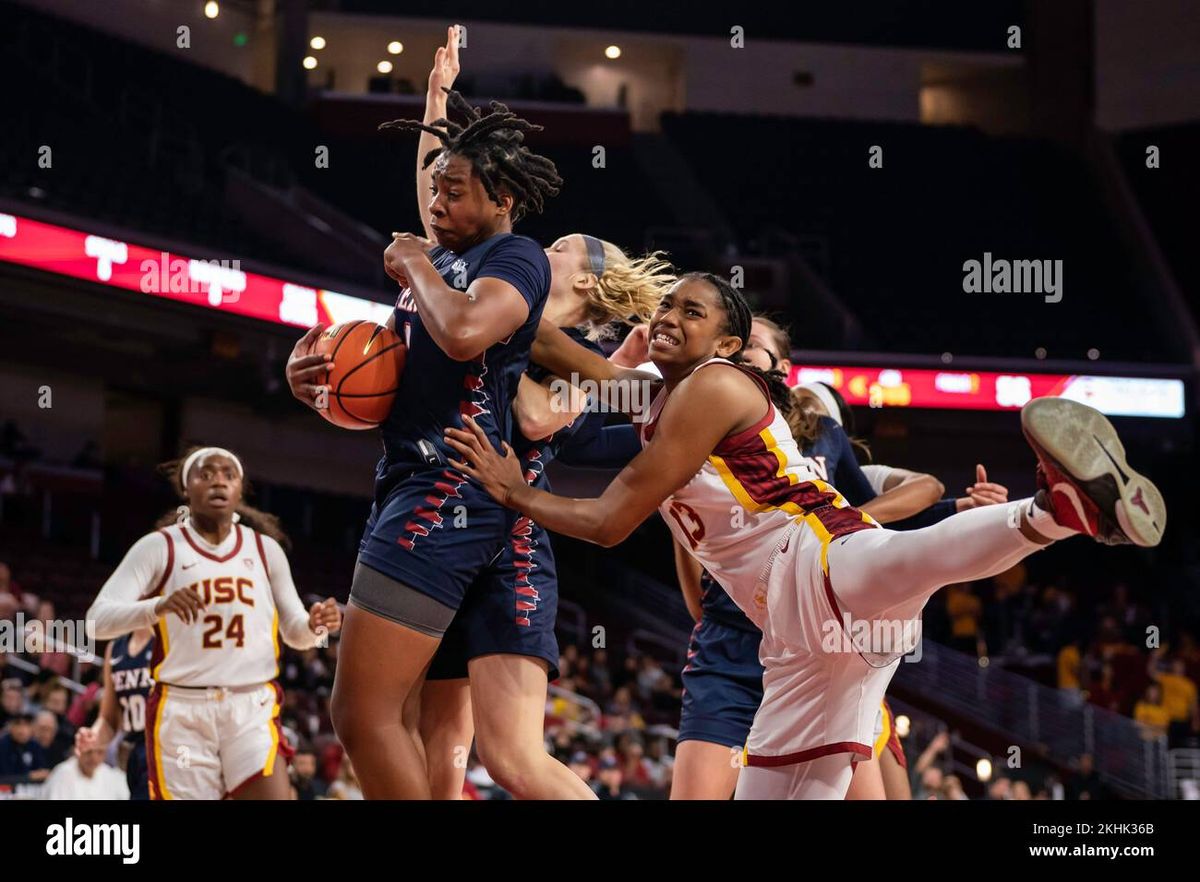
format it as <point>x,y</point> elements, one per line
<point>368,360</point>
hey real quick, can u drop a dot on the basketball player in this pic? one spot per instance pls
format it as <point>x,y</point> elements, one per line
<point>468,311</point>
<point>806,567</point>
<point>723,676</point>
<point>511,608</point>
<point>214,584</point>
<point>123,707</point>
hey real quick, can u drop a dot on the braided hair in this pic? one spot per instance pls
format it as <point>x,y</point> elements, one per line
<point>493,144</point>
<point>738,319</point>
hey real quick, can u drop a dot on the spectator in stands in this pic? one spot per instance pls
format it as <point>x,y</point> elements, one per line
<point>581,765</point>
<point>86,776</point>
<point>1070,662</point>
<point>600,678</point>
<point>1085,783</point>
<point>346,786</point>
<point>9,671</point>
<point>965,611</point>
<point>609,783</point>
<point>649,674</point>
<point>52,660</point>
<point>660,763</point>
<point>929,784</point>
<point>20,755</point>
<point>567,659</point>
<point>47,732</point>
<point>926,771</point>
<point>9,606</point>
<point>622,714</point>
<point>952,788</point>
<point>627,673</point>
<point>634,770</point>
<point>1151,713</point>
<point>304,775</point>
<point>563,707</point>
<point>1189,651</point>
<point>56,698</point>
<point>1178,694</point>
<point>581,670</point>
<point>12,700</point>
<point>1000,788</point>
<point>1021,791</point>
<point>1104,694</point>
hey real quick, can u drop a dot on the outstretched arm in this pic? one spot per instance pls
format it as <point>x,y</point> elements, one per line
<point>703,409</point>
<point>563,357</point>
<point>442,75</point>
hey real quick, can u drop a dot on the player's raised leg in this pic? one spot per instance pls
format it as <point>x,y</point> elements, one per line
<point>1085,486</point>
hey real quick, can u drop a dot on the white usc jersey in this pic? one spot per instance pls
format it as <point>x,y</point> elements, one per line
<point>755,485</point>
<point>235,640</point>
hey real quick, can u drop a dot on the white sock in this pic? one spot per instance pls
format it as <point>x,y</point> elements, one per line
<point>1044,524</point>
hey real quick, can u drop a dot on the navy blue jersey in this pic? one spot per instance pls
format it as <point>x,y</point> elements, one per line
<point>131,682</point>
<point>536,455</point>
<point>435,390</point>
<point>832,456</point>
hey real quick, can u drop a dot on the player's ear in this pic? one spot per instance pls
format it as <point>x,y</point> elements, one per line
<point>584,281</point>
<point>505,207</point>
<point>728,345</point>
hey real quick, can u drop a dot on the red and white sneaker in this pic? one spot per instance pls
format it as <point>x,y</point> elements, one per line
<point>1088,485</point>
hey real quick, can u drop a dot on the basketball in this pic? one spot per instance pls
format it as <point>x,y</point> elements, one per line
<point>367,362</point>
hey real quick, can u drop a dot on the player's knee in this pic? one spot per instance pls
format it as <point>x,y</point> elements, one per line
<point>349,718</point>
<point>510,766</point>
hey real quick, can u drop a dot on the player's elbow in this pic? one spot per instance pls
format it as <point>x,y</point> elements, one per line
<point>534,421</point>
<point>461,345</point>
<point>96,624</point>
<point>931,488</point>
<point>610,533</point>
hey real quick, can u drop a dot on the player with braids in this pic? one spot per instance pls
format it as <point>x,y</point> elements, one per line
<point>807,568</point>
<point>492,143</point>
<point>468,311</point>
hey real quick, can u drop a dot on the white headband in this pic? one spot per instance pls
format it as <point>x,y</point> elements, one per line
<point>203,453</point>
<point>822,392</point>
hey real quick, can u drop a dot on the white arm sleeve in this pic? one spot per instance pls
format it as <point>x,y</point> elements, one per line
<point>293,617</point>
<point>117,609</point>
<point>877,476</point>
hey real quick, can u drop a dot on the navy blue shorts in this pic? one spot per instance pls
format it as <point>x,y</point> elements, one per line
<point>137,773</point>
<point>510,609</point>
<point>722,684</point>
<point>435,531</point>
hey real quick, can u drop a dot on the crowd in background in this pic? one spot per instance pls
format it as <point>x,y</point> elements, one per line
<point>1106,650</point>
<point>611,715</point>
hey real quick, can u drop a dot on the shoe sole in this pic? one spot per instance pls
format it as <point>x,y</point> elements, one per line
<point>1083,444</point>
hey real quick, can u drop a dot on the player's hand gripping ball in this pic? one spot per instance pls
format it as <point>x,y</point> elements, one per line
<point>362,375</point>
